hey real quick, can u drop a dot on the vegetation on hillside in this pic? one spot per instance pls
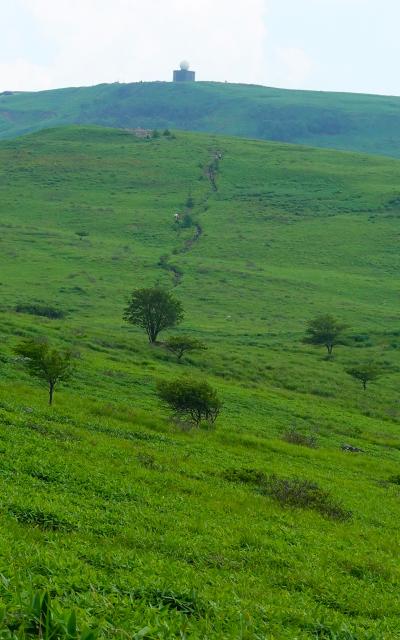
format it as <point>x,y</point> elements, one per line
<point>353,122</point>
<point>279,522</point>
<point>155,310</point>
<point>49,365</point>
<point>179,345</point>
<point>190,400</point>
<point>365,372</point>
<point>325,331</point>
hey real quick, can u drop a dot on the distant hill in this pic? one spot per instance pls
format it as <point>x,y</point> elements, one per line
<point>352,122</point>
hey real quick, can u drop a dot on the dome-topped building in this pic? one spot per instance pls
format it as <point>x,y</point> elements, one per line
<point>184,74</point>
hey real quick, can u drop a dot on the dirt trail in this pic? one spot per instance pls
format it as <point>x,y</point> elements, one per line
<point>191,241</point>
<point>174,270</point>
<point>211,171</point>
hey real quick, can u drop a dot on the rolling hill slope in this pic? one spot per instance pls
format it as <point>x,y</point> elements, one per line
<point>341,121</point>
<point>138,526</point>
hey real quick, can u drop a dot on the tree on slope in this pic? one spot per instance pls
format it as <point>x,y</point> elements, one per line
<point>154,310</point>
<point>179,345</point>
<point>193,400</point>
<point>46,363</point>
<point>324,330</point>
<point>365,372</point>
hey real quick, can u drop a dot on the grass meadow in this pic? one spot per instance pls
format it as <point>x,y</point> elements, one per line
<point>142,529</point>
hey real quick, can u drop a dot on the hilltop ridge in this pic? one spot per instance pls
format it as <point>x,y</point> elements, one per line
<point>355,122</point>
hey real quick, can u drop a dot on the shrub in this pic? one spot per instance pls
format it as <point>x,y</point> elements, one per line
<point>295,492</point>
<point>291,492</point>
<point>294,436</point>
<point>189,399</point>
<point>41,310</point>
<point>247,476</point>
<point>148,461</point>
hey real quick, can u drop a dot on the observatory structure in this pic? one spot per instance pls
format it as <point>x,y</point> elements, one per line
<point>184,74</point>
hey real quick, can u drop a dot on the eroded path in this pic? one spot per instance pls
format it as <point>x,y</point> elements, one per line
<point>210,170</point>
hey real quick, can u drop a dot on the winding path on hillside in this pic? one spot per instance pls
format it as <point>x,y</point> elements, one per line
<point>210,170</point>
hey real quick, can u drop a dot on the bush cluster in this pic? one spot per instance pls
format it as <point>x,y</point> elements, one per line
<point>296,492</point>
<point>294,436</point>
<point>291,492</point>
<point>189,399</point>
<point>41,310</point>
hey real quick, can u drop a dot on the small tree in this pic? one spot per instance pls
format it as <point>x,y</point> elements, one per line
<point>153,309</point>
<point>324,330</point>
<point>190,399</point>
<point>46,363</point>
<point>182,344</point>
<point>365,372</point>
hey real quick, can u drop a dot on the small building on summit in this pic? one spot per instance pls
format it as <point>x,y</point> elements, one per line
<point>184,74</point>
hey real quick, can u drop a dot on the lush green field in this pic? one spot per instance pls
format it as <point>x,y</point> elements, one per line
<point>353,122</point>
<point>107,505</point>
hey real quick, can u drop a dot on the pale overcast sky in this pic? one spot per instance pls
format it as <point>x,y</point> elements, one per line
<point>338,45</point>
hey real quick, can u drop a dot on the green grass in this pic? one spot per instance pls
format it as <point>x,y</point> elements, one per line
<point>140,527</point>
<point>353,122</point>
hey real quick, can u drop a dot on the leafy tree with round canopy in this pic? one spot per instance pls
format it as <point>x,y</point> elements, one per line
<point>45,363</point>
<point>324,330</point>
<point>365,372</point>
<point>182,344</point>
<point>194,400</point>
<point>153,309</point>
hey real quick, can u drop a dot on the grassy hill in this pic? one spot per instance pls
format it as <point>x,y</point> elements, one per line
<point>352,122</point>
<point>142,528</point>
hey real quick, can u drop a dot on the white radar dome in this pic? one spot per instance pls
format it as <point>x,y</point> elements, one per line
<point>184,65</point>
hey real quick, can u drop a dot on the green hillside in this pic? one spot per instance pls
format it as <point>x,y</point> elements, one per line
<point>351,122</point>
<point>148,531</point>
